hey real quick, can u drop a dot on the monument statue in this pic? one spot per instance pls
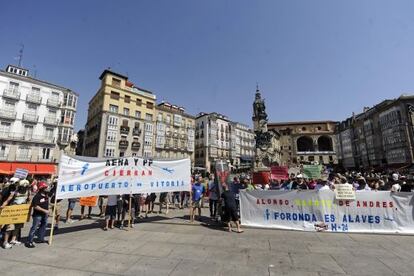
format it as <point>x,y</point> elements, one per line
<point>265,150</point>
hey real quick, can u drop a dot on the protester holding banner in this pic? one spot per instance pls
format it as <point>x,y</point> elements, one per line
<point>110,214</point>
<point>40,205</point>
<point>18,195</point>
<point>164,201</point>
<point>71,206</point>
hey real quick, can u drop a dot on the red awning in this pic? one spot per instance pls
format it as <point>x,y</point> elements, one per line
<point>5,168</point>
<point>45,169</point>
<point>33,168</point>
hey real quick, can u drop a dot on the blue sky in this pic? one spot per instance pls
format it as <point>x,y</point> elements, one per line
<point>314,60</point>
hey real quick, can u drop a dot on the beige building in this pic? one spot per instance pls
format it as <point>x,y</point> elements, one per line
<point>121,119</point>
<point>311,142</point>
<point>174,133</point>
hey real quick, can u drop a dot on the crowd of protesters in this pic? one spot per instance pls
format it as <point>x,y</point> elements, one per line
<point>126,210</point>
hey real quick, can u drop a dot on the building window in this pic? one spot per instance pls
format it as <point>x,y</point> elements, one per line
<point>23,153</point>
<point>159,117</point>
<point>330,158</point>
<point>125,123</point>
<point>114,95</point>
<point>113,108</point>
<point>5,128</point>
<point>148,117</point>
<point>3,151</point>
<point>122,154</point>
<point>150,105</point>
<point>9,105</point>
<point>138,114</point>
<point>28,131</point>
<point>127,99</point>
<point>113,120</point>
<point>116,82</point>
<point>126,111</point>
<point>45,153</point>
<point>109,152</point>
<point>139,102</point>
<point>49,133</point>
<point>168,119</point>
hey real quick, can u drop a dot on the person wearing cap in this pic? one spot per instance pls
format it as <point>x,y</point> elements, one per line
<point>18,195</point>
<point>40,205</point>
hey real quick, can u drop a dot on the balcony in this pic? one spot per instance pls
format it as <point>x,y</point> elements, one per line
<point>23,158</point>
<point>7,114</point>
<point>135,145</point>
<point>51,121</point>
<point>51,102</point>
<point>30,118</point>
<point>123,144</point>
<point>124,130</point>
<point>26,137</point>
<point>33,98</point>
<point>136,131</point>
<point>11,94</point>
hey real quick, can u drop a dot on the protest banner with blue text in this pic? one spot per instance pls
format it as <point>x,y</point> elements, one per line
<point>370,212</point>
<point>81,176</point>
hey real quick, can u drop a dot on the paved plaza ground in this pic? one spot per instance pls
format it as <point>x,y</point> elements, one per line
<point>170,245</point>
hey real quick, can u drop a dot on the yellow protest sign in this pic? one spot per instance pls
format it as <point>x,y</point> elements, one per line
<point>88,201</point>
<point>14,214</point>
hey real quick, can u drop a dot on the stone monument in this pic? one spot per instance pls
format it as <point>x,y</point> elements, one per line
<point>265,151</point>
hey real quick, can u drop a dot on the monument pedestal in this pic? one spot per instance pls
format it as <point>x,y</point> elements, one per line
<point>261,176</point>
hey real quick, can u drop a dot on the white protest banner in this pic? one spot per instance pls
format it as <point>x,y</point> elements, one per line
<point>81,176</point>
<point>344,191</point>
<point>370,212</point>
<point>21,173</point>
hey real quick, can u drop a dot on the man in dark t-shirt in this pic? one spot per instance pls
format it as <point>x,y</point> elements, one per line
<point>40,204</point>
<point>230,208</point>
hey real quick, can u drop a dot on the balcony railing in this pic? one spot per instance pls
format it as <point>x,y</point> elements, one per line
<point>33,98</point>
<point>11,94</point>
<point>23,158</point>
<point>124,130</point>
<point>50,120</point>
<point>135,145</point>
<point>31,118</point>
<point>123,144</point>
<point>136,131</point>
<point>27,137</point>
<point>7,114</point>
<point>53,102</point>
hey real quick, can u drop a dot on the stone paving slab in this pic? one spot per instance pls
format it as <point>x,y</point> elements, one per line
<point>170,245</point>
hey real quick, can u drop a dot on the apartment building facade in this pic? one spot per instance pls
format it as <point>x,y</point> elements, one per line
<point>243,146</point>
<point>36,122</point>
<point>174,133</point>
<point>380,136</point>
<point>121,119</point>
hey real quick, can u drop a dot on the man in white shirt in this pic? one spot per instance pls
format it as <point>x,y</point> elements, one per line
<point>110,212</point>
<point>322,183</point>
